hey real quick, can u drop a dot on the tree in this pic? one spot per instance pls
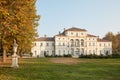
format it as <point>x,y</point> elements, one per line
<point>18,20</point>
<point>111,37</point>
<point>118,41</point>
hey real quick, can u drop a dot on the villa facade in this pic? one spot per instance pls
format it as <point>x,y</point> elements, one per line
<point>73,41</point>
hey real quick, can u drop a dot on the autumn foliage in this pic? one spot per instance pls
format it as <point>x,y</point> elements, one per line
<point>18,20</point>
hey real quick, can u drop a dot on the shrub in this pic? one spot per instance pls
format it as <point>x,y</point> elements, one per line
<point>67,55</point>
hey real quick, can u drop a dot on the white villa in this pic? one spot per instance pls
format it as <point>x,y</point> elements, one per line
<point>73,41</point>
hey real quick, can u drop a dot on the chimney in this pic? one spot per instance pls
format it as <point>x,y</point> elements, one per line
<point>45,35</point>
<point>64,29</point>
<point>59,32</point>
<point>98,37</point>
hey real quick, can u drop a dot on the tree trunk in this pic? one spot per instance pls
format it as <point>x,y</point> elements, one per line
<point>4,54</point>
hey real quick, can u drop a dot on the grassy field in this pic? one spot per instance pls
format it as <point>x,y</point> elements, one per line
<point>44,69</point>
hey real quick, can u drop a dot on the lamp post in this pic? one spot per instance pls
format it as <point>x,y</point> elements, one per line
<point>14,56</point>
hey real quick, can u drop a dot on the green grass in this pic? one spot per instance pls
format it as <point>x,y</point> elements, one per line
<point>43,69</point>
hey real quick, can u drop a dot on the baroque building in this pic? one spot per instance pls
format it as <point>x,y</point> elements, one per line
<point>73,41</point>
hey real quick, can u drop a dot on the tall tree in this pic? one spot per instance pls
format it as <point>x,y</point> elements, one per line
<point>18,20</point>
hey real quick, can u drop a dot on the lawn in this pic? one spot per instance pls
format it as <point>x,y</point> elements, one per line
<point>45,69</point>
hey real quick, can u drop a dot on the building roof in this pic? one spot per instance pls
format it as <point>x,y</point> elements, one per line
<point>45,39</point>
<point>60,34</point>
<point>103,40</point>
<point>89,35</point>
<point>75,29</point>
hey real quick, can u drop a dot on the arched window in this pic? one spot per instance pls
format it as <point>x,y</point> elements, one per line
<point>77,43</point>
<point>82,51</point>
<point>77,51</point>
<point>72,42</point>
<point>82,42</point>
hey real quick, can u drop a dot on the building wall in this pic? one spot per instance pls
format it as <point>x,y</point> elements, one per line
<point>41,48</point>
<point>74,43</point>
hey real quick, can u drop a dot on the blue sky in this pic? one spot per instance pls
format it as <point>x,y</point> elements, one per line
<point>96,16</point>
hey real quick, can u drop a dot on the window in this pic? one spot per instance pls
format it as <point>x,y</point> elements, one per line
<point>35,53</point>
<point>93,51</point>
<point>59,44</point>
<point>77,51</point>
<point>71,33</point>
<point>72,51</point>
<point>41,44</point>
<point>63,44</point>
<point>89,44</point>
<point>104,44</point>
<point>68,51</point>
<point>52,52</point>
<point>72,42</point>
<point>77,43</point>
<point>82,42</point>
<point>35,44</point>
<point>100,44</point>
<point>52,44</point>
<point>47,44</point>
<point>63,51</point>
<point>59,52</point>
<point>90,52</point>
<point>47,52</point>
<point>100,52</point>
<point>82,51</point>
<point>81,33</point>
<point>76,34</point>
<point>93,44</point>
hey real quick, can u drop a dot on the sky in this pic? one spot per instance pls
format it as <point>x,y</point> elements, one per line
<point>96,16</point>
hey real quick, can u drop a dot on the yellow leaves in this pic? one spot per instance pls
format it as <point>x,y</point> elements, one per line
<point>18,20</point>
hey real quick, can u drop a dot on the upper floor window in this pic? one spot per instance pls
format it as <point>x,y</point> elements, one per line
<point>104,44</point>
<point>76,34</point>
<point>71,33</point>
<point>41,44</point>
<point>93,44</point>
<point>35,44</point>
<point>81,33</point>
<point>52,44</point>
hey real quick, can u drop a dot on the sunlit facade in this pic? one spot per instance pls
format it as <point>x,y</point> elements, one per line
<point>73,41</point>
